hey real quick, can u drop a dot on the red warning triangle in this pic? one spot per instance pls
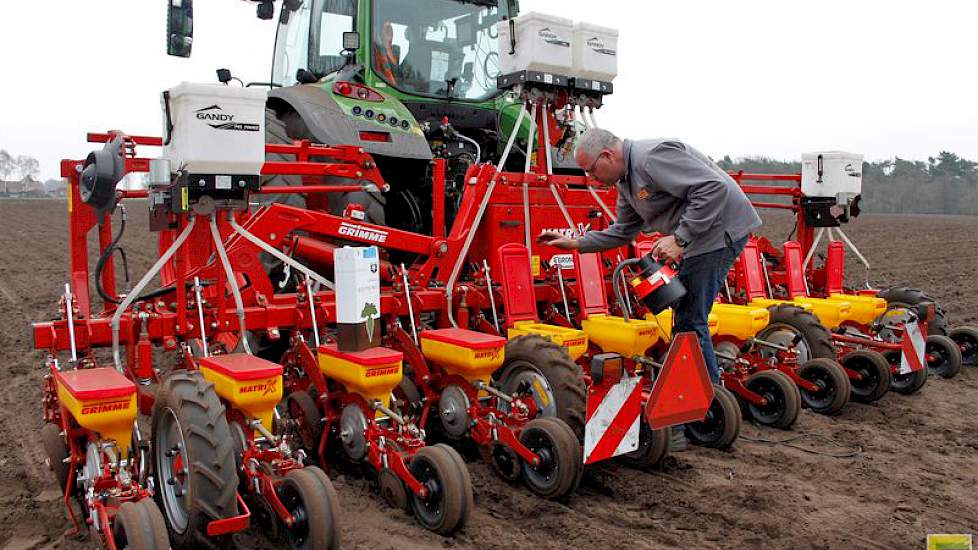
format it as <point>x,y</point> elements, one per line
<point>682,392</point>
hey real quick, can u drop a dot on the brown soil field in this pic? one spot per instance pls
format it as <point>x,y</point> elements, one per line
<point>881,476</point>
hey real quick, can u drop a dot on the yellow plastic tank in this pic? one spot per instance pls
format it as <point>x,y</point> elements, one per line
<point>571,338</point>
<point>865,309</point>
<point>740,322</point>
<point>250,384</point>
<point>372,373</point>
<point>616,335</point>
<point>831,313</point>
<point>101,400</point>
<point>469,354</point>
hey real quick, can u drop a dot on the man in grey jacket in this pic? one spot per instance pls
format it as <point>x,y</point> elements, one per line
<point>669,187</point>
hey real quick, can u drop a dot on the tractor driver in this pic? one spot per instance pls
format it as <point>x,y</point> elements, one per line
<point>667,186</point>
<point>385,59</point>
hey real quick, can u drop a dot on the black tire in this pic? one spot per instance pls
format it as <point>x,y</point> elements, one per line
<point>653,447</point>
<point>188,417</point>
<point>534,357</point>
<point>469,503</point>
<point>834,387</point>
<point>905,297</point>
<point>561,470</point>
<point>784,399</point>
<point>139,525</point>
<point>787,321</point>
<point>56,449</point>
<point>301,407</point>
<point>905,384</point>
<point>721,427</point>
<point>967,340</point>
<point>944,356</point>
<point>446,509</point>
<point>875,372</point>
<point>309,496</point>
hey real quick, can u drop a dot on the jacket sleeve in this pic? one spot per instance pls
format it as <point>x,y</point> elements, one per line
<point>677,172</point>
<point>617,234</point>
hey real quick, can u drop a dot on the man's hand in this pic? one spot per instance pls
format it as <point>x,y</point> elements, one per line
<point>552,238</point>
<point>667,249</point>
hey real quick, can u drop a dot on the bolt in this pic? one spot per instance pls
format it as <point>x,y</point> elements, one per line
<point>202,183</point>
<point>241,183</point>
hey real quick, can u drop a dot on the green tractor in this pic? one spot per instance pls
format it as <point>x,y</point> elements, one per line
<point>407,80</point>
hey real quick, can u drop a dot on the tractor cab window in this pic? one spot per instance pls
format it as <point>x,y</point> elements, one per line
<point>440,48</point>
<point>312,38</point>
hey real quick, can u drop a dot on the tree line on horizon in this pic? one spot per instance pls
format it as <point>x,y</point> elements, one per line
<point>945,184</point>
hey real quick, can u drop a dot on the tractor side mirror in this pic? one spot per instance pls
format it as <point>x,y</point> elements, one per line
<point>179,27</point>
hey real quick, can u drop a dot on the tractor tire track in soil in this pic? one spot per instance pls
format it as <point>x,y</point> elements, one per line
<point>915,472</point>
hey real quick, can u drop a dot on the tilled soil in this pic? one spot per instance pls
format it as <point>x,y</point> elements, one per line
<point>878,476</point>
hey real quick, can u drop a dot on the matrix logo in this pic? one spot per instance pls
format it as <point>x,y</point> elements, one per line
<point>266,388</point>
<point>216,114</point>
<point>362,233</point>
<point>576,233</point>
<point>550,37</point>
<point>598,46</point>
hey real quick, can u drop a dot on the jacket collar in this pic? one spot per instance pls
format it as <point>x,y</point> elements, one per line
<point>626,149</point>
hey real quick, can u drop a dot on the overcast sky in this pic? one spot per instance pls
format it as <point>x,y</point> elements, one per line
<point>751,77</point>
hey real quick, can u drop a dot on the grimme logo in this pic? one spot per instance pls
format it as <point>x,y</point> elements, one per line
<point>382,371</point>
<point>105,407</point>
<point>361,232</point>
<point>550,37</point>
<point>215,113</point>
<point>576,233</point>
<point>265,387</point>
<point>598,46</point>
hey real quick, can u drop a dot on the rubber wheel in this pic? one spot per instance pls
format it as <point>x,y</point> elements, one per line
<point>784,399</point>
<point>546,366</point>
<point>904,384</point>
<point>446,508</point>
<point>789,321</point>
<point>193,460</point>
<point>721,426</point>
<point>834,387</point>
<point>876,375</point>
<point>301,407</point>
<point>561,466</point>
<point>56,449</point>
<point>905,297</point>
<point>653,447</point>
<point>309,496</point>
<point>967,340</point>
<point>463,470</point>
<point>943,356</point>
<point>139,525</point>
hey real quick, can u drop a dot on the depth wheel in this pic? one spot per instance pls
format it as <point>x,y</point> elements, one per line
<point>309,496</point>
<point>875,375</point>
<point>561,467</point>
<point>721,426</point>
<point>554,381</point>
<point>833,386</point>
<point>302,408</point>
<point>139,525</point>
<point>445,509</point>
<point>193,459</point>
<point>56,449</point>
<point>653,447</point>
<point>967,340</point>
<point>943,356</point>
<point>782,395</point>
<point>904,384</point>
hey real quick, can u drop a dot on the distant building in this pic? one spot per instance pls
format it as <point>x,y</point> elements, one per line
<point>26,187</point>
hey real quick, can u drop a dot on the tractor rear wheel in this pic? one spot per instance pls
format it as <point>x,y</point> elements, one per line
<point>782,395</point>
<point>901,298</point>
<point>943,356</point>
<point>653,447</point>
<point>545,370</point>
<point>721,426</point>
<point>967,340</point>
<point>834,388</point>
<point>193,459</point>
<point>560,468</point>
<point>445,510</point>
<point>875,375</point>
<point>139,525</point>
<point>905,384</point>
<point>309,497</point>
<point>792,326</point>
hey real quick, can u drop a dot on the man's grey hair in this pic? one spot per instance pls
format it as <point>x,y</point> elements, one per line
<point>594,141</point>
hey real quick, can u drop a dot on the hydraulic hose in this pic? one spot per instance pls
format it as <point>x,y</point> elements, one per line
<point>617,288</point>
<point>106,254</point>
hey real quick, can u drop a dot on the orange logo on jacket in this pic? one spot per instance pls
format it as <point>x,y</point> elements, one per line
<point>643,194</point>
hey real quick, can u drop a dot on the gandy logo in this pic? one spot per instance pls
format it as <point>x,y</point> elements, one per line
<point>266,388</point>
<point>569,233</point>
<point>598,46</point>
<point>105,407</point>
<point>215,113</point>
<point>363,233</point>
<point>382,371</point>
<point>550,37</point>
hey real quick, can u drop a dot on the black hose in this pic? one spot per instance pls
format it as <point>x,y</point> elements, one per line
<point>615,286</point>
<point>106,254</point>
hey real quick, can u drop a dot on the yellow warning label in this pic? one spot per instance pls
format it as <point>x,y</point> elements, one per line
<point>541,393</point>
<point>184,200</point>
<point>535,266</point>
<point>949,542</point>
<point>69,201</point>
